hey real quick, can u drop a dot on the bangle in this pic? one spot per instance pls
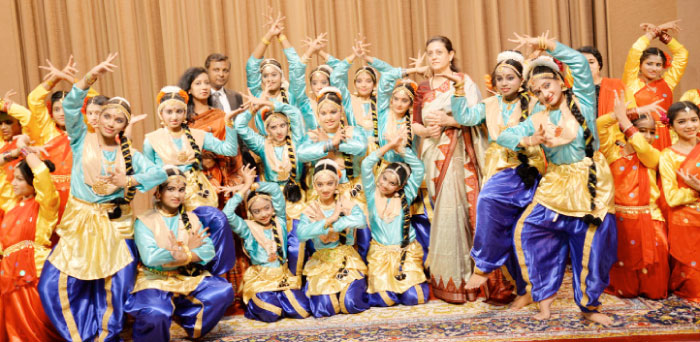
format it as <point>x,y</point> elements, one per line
<point>90,78</point>
<point>347,59</point>
<point>630,131</point>
<point>282,38</point>
<point>5,106</point>
<point>664,37</point>
<point>50,83</point>
<point>265,41</point>
<point>632,113</point>
<point>24,151</point>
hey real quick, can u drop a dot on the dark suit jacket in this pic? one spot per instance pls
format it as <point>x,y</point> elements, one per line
<point>234,99</point>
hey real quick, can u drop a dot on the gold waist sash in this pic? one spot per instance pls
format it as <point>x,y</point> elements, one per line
<point>168,281</point>
<point>330,270</point>
<point>564,188</point>
<point>259,278</point>
<point>644,209</point>
<point>92,246</point>
<point>17,247</point>
<point>384,261</point>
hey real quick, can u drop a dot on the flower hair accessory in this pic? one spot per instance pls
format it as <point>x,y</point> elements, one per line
<point>509,54</point>
<point>326,90</point>
<point>664,118</point>
<point>174,90</point>
<point>540,61</point>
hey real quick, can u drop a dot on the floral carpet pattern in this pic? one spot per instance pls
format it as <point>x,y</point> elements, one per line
<point>478,321</point>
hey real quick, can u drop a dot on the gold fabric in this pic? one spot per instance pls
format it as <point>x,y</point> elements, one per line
<point>670,162</point>
<point>692,95</point>
<point>560,134</point>
<point>322,269</point>
<point>92,166</point>
<point>499,158</point>
<point>91,245</point>
<point>176,283</point>
<point>259,278</point>
<point>193,195</point>
<point>153,220</point>
<point>383,262</point>
<point>494,119</point>
<point>162,142</point>
<point>282,167</point>
<point>563,188</point>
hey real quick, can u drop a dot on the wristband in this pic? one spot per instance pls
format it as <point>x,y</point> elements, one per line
<point>90,79</point>
<point>632,113</point>
<point>629,131</point>
<point>50,83</point>
<point>265,41</point>
<point>664,37</point>
<point>24,151</point>
<point>281,38</point>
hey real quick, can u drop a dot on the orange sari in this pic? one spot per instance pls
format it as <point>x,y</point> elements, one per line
<point>606,97</point>
<point>62,157</point>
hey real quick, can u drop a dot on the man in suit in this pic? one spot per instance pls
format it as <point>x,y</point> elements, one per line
<point>219,67</point>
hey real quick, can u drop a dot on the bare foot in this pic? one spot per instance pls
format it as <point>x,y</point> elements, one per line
<point>521,302</point>
<point>544,313</point>
<point>475,281</point>
<point>599,318</point>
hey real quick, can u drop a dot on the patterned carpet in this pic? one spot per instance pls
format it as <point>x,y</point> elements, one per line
<point>439,321</point>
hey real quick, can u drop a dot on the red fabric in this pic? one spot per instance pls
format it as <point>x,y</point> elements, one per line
<point>9,167</point>
<point>627,282</point>
<point>606,97</point>
<point>24,317</point>
<point>18,269</point>
<point>654,91</point>
<point>685,281</point>
<point>61,155</point>
<point>212,121</point>
<point>636,237</point>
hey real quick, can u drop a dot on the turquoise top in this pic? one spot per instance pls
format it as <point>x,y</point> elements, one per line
<point>256,142</point>
<point>476,115</point>
<point>146,173</point>
<point>307,230</point>
<point>257,254</point>
<point>355,146</point>
<point>297,81</point>
<point>153,256</point>
<point>390,233</point>
<point>228,147</point>
<point>584,91</point>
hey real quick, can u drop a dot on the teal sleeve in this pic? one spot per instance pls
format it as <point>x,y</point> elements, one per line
<point>237,223</point>
<point>356,146</point>
<point>72,104</point>
<point>356,220</point>
<point>386,84</point>
<point>416,178</point>
<point>297,77</point>
<point>253,75</point>
<point>228,147</point>
<point>332,61</point>
<point>339,79</point>
<point>146,173</point>
<point>465,115</point>
<point>148,150</point>
<point>310,151</point>
<point>368,181</point>
<point>307,230</point>
<point>150,254</point>
<point>253,140</point>
<point>511,137</point>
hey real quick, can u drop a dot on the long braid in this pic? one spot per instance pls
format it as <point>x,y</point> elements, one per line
<point>528,173</point>
<point>592,172</point>
<point>195,147</point>
<point>375,118</point>
<point>404,233</point>
<point>185,218</point>
<point>278,241</point>
<point>292,191</point>
<point>409,140</point>
<point>347,160</point>
<point>129,193</point>
<point>285,98</point>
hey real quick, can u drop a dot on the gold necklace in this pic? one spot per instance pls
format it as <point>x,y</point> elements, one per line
<point>165,213</point>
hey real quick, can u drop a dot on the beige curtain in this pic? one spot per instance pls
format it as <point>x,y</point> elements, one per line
<point>158,40</point>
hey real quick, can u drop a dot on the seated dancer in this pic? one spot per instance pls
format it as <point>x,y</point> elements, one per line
<point>25,243</point>
<point>562,221</point>
<point>642,243</point>
<point>395,258</point>
<point>176,144</point>
<point>678,167</point>
<point>270,290</point>
<point>172,282</point>
<point>335,273</point>
<point>90,272</point>
<point>509,178</point>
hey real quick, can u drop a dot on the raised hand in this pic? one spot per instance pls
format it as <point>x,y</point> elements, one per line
<point>535,139</point>
<point>7,97</point>
<point>274,24</point>
<point>652,108</point>
<point>248,174</point>
<point>670,26</point>
<point>105,66</point>
<point>70,69</point>
<point>338,137</point>
<point>196,239</point>
<point>360,48</point>
<point>418,65</point>
<point>54,74</point>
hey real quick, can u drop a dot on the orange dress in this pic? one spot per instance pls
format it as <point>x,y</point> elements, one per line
<point>683,221</point>
<point>43,131</point>
<point>642,244</point>
<point>606,96</point>
<point>646,93</point>
<point>7,173</point>
<point>25,238</point>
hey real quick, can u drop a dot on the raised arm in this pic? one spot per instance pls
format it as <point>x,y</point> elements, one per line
<point>253,140</point>
<point>228,147</point>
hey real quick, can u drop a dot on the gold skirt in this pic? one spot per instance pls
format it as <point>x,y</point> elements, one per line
<point>322,270</point>
<point>174,282</point>
<point>384,264</point>
<point>259,278</point>
<point>194,196</point>
<point>563,188</point>
<point>92,246</point>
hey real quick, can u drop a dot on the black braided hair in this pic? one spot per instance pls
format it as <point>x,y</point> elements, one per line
<point>406,226</point>
<point>527,173</point>
<point>185,218</point>
<point>375,118</point>
<point>193,144</point>
<point>292,190</point>
<point>347,160</point>
<point>278,241</point>
<point>592,172</point>
<point>285,98</point>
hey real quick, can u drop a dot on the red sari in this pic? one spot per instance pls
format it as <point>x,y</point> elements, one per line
<point>21,313</point>
<point>651,92</point>
<point>642,247</point>
<point>684,237</point>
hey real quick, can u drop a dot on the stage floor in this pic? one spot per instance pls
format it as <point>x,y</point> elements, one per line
<point>638,319</point>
